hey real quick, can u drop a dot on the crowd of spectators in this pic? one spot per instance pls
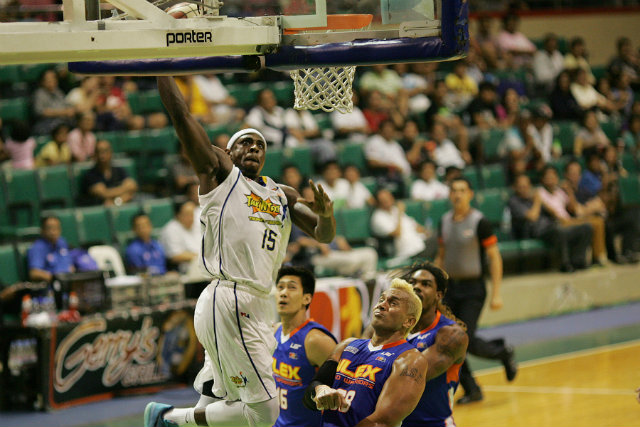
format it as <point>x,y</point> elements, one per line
<point>415,123</point>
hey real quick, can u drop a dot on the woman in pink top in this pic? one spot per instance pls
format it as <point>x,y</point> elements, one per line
<point>20,146</point>
<point>81,140</point>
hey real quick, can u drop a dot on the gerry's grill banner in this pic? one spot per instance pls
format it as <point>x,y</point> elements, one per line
<point>101,357</point>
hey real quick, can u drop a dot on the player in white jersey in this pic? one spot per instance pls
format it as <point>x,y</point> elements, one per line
<point>246,219</point>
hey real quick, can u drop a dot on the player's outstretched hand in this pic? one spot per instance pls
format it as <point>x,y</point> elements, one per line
<point>328,398</point>
<point>321,204</point>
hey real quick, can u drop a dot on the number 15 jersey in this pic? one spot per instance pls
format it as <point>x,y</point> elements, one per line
<point>245,230</point>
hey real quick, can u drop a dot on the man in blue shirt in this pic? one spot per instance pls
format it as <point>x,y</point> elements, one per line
<point>49,254</point>
<point>144,253</point>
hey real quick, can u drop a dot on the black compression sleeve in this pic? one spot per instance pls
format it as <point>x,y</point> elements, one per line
<point>325,376</point>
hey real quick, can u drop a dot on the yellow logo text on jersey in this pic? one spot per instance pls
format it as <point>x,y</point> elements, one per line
<point>286,371</point>
<point>258,204</point>
<point>363,371</point>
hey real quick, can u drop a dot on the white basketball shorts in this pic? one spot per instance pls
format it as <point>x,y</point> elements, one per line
<point>233,324</point>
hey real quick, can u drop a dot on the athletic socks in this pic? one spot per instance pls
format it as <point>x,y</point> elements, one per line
<point>181,416</point>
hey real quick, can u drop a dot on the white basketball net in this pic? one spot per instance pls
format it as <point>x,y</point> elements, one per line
<point>328,88</point>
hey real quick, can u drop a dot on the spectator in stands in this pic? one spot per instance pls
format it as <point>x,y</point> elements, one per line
<point>622,96</point>
<point>56,151</point>
<point>561,100</point>
<point>340,257</point>
<point>49,254</point>
<point>483,110</point>
<point>631,136</point>
<point>415,86</point>
<point>19,146</point>
<point>105,183</point>
<point>517,143</point>
<point>144,254</point>
<point>183,173</point>
<point>222,104</point>
<point>530,221</point>
<point>576,58</point>
<point>359,195</point>
<point>84,98</point>
<point>541,134</point>
<point>625,61</point>
<point>199,107</point>
<point>351,126</point>
<point>427,187</point>
<point>514,47</point>
<point>181,237</point>
<point>336,187</point>
<point>389,221</point>
<point>445,152</point>
<point>82,140</point>
<point>559,204</point>
<point>439,111</point>
<point>483,41</point>
<point>49,104</point>
<point>586,95</point>
<point>416,147</point>
<point>376,111</point>
<point>268,118</point>
<point>222,140</point>
<point>292,177</point>
<point>508,112</point>
<point>547,63</point>
<point>382,79</point>
<point>385,156</point>
<point>302,126</point>
<point>590,135</point>
<point>584,189</point>
<point>462,88</point>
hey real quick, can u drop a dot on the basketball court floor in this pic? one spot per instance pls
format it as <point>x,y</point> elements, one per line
<point>579,369</point>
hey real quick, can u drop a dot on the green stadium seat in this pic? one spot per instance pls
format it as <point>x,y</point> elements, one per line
<point>471,173</point>
<point>160,211</point>
<point>273,163</point>
<point>121,217</point>
<point>354,224</point>
<point>283,92</point>
<point>31,73</point>
<point>565,132</point>
<point>630,190</point>
<point>41,141</point>
<point>371,184</point>
<point>213,131</point>
<point>10,74</point>
<point>492,204</point>
<point>302,158</point>
<point>114,137</point>
<point>93,226</point>
<point>150,165</point>
<point>491,142</point>
<point>77,172</point>
<point>10,272</point>
<point>14,108</point>
<point>599,71</point>
<point>150,102</point>
<point>134,142</point>
<point>129,165</point>
<point>21,259</point>
<point>245,94</point>
<point>21,197</point>
<point>415,209</point>
<point>133,98</point>
<point>434,211</point>
<point>54,187</point>
<point>509,249</point>
<point>630,163</point>
<point>352,153</point>
<point>68,223</point>
<point>493,176</point>
<point>612,130</point>
<point>323,120</point>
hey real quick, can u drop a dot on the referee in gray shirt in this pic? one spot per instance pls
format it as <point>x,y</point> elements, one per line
<point>466,243</point>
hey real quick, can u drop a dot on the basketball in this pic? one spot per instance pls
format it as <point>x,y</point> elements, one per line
<point>184,10</point>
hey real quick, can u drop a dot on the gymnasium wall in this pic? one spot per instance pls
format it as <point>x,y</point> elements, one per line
<point>599,29</point>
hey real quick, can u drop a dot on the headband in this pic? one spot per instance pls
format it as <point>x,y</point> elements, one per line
<point>236,136</point>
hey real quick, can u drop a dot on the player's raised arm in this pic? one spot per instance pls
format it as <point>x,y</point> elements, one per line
<point>211,164</point>
<point>401,392</point>
<point>314,217</point>
<point>449,349</point>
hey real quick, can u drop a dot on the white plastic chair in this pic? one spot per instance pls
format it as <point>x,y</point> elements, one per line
<point>108,259</point>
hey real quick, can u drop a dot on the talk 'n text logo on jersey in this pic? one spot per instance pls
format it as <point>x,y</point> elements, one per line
<point>258,204</point>
<point>240,380</point>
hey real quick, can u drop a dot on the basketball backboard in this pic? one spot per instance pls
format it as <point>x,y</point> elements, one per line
<point>288,33</point>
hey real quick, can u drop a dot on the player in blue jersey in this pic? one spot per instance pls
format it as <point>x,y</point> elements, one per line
<point>246,219</point>
<point>303,346</point>
<point>438,332</point>
<point>377,381</point>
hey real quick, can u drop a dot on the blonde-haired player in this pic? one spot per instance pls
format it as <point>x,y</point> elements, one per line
<point>377,381</point>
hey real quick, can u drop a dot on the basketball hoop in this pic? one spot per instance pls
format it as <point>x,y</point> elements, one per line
<point>327,88</point>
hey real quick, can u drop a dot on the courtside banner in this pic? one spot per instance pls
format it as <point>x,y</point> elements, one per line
<point>104,356</point>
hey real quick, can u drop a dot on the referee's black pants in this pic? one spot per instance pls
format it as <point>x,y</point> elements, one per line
<point>466,298</point>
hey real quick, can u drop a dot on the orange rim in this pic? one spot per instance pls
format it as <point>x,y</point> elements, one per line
<point>338,22</point>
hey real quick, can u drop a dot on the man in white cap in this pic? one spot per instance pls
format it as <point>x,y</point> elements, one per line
<point>246,219</point>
